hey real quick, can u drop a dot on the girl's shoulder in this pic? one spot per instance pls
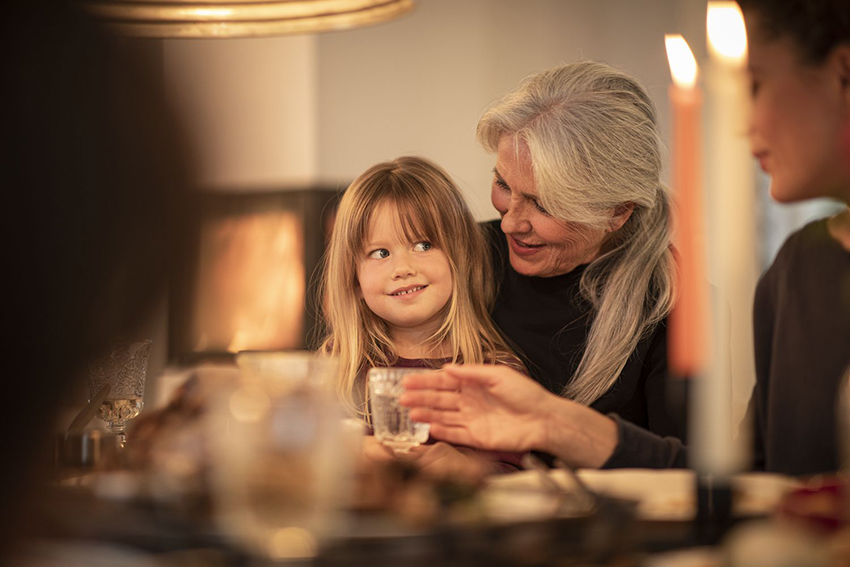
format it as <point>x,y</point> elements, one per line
<point>838,227</point>
<point>510,360</point>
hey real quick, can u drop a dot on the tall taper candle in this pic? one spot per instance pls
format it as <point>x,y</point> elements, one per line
<point>732,226</point>
<point>688,326</point>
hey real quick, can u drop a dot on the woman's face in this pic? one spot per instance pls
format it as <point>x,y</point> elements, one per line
<point>539,244</point>
<point>798,113</point>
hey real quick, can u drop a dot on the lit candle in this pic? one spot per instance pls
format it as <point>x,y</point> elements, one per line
<point>688,323</point>
<point>732,225</point>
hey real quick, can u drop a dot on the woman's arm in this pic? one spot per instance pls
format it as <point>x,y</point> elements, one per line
<point>497,408</point>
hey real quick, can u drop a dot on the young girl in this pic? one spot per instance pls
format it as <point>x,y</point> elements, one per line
<point>407,278</point>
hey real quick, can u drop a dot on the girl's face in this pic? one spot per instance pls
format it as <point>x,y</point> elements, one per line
<point>799,111</point>
<point>407,284</point>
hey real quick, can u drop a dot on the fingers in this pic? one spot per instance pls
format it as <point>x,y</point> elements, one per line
<point>432,416</point>
<point>442,461</point>
<point>451,434</point>
<point>452,377</point>
<point>431,381</point>
<point>375,451</point>
<point>480,374</point>
<point>431,398</point>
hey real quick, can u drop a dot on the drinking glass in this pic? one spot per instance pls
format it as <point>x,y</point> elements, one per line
<point>283,455</point>
<point>390,420</point>
<point>123,368</point>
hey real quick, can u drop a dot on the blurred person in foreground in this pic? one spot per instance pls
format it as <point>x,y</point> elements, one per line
<point>96,179</point>
<point>800,69</point>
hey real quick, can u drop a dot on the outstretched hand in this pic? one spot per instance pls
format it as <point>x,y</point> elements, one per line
<point>438,462</point>
<point>483,406</point>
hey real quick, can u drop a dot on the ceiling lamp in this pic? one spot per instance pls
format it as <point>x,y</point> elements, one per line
<point>240,18</point>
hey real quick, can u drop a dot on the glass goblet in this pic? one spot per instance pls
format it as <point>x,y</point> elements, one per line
<point>123,368</point>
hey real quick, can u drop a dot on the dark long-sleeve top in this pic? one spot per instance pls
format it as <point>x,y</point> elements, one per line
<point>549,321</point>
<point>802,348</point>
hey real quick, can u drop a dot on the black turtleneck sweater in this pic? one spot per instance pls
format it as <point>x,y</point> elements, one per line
<point>548,321</point>
<point>802,349</point>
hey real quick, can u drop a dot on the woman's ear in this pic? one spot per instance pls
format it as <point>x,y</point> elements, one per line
<point>620,215</point>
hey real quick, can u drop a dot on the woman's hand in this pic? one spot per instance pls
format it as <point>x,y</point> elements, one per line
<point>438,462</point>
<point>484,406</point>
<point>497,408</point>
<point>444,462</point>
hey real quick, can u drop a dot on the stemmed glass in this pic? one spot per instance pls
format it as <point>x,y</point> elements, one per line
<point>123,368</point>
<point>390,420</point>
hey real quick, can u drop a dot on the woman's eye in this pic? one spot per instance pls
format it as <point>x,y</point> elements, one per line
<point>422,246</point>
<point>541,209</point>
<point>501,184</point>
<point>754,87</point>
<point>379,254</point>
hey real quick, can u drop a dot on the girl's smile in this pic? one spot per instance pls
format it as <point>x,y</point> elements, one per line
<point>408,292</point>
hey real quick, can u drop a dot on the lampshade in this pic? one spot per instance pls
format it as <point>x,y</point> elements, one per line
<point>240,18</point>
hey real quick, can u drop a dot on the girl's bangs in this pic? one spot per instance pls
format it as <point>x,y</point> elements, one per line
<point>411,215</point>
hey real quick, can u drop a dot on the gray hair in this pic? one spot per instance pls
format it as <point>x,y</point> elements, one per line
<point>593,139</point>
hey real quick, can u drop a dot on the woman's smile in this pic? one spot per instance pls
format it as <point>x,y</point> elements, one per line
<point>540,244</point>
<point>523,248</point>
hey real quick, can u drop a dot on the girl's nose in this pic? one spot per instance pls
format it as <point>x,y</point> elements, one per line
<point>403,267</point>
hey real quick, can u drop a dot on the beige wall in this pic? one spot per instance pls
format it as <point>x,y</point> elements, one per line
<point>418,85</point>
<point>298,110</point>
<point>250,106</point>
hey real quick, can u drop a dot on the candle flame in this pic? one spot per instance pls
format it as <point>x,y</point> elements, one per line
<point>683,66</point>
<point>727,35</point>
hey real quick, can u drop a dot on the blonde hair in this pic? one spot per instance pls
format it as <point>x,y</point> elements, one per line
<point>593,139</point>
<point>430,207</point>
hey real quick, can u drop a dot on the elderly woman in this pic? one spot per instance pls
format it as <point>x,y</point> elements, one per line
<point>586,280</point>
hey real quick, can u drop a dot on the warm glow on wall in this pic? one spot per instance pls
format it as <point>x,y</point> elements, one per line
<point>251,291</point>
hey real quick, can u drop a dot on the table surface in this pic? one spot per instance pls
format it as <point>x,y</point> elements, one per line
<point>641,512</point>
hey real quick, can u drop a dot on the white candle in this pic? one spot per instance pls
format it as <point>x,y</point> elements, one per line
<point>732,251</point>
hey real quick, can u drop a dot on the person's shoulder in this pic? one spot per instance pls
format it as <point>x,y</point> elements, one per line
<point>814,234</point>
<point>806,245</point>
<point>511,360</point>
<point>807,255</point>
<point>839,229</point>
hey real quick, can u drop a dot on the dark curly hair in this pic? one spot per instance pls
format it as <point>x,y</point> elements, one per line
<point>816,26</point>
